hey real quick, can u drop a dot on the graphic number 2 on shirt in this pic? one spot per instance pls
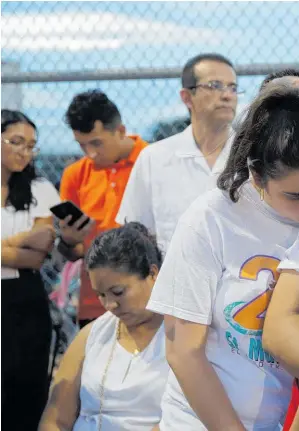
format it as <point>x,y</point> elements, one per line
<point>248,317</point>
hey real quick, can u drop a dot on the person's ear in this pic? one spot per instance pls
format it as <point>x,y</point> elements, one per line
<point>186,97</point>
<point>122,131</point>
<point>154,271</point>
<point>256,179</point>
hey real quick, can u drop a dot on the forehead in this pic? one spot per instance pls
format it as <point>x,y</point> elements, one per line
<point>103,278</point>
<point>20,129</point>
<point>290,80</point>
<point>215,71</point>
<point>98,132</point>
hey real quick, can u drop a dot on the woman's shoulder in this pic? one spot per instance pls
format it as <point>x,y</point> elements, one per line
<point>45,194</point>
<point>102,329</point>
<point>206,209</point>
<point>41,184</point>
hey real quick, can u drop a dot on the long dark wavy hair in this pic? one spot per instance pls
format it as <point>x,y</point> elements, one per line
<point>19,184</point>
<point>267,141</point>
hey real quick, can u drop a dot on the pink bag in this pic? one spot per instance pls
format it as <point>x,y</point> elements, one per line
<point>70,270</point>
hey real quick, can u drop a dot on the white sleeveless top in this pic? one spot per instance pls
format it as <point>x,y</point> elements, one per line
<point>134,383</point>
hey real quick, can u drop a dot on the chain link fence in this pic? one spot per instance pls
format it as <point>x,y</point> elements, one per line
<point>134,52</point>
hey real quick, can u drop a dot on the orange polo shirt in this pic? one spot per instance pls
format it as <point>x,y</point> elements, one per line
<point>98,193</point>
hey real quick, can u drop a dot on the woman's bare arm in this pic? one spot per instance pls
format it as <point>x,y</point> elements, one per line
<point>20,258</point>
<point>63,405</point>
<point>281,328</point>
<point>28,249</point>
<point>185,347</point>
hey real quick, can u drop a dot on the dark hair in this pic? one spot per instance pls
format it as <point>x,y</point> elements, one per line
<point>280,74</point>
<point>129,248</point>
<point>90,106</point>
<point>189,80</point>
<point>19,184</point>
<point>267,142</point>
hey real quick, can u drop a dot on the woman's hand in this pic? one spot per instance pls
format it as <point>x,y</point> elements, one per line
<point>40,239</point>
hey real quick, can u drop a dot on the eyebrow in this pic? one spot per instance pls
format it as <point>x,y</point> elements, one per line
<point>23,139</point>
<point>218,80</point>
<point>95,140</point>
<point>293,194</point>
<point>114,286</point>
<point>90,142</point>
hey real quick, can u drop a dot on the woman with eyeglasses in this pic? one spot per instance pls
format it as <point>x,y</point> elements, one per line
<point>27,236</point>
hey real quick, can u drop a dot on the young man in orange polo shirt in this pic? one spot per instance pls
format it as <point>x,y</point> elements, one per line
<point>96,182</point>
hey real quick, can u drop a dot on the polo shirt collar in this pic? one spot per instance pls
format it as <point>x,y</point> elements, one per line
<point>131,159</point>
<point>189,148</point>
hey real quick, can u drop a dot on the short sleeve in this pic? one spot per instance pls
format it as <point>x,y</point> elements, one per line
<point>187,284</point>
<point>136,203</point>
<point>291,260</point>
<point>46,196</point>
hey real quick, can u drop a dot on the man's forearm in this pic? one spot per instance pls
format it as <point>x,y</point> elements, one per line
<point>70,253</point>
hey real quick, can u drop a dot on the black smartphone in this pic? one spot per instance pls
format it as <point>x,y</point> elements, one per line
<point>67,208</point>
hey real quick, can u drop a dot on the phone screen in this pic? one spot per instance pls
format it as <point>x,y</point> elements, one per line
<point>67,208</point>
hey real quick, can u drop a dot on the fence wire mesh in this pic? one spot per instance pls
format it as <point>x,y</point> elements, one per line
<point>60,37</point>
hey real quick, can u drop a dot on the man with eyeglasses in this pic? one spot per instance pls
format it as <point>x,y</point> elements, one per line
<point>169,175</point>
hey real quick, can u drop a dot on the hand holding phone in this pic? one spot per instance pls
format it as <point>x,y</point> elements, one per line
<point>74,224</point>
<point>66,209</point>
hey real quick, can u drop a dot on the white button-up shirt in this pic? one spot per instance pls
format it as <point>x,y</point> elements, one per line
<point>167,177</point>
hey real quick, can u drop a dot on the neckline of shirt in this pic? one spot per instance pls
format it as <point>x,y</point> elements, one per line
<point>190,149</point>
<point>145,350</point>
<point>250,193</point>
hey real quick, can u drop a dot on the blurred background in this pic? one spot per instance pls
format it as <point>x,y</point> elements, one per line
<point>134,52</point>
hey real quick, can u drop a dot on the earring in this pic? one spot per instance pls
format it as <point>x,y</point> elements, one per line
<point>262,194</point>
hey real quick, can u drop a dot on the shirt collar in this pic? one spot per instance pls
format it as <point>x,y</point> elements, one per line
<point>189,147</point>
<point>138,145</point>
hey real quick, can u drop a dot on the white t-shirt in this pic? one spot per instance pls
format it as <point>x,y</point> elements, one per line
<point>218,271</point>
<point>14,222</point>
<point>291,259</point>
<point>134,385</point>
<point>166,178</point>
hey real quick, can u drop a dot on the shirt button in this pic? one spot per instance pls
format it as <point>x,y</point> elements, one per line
<point>113,171</point>
<point>113,185</point>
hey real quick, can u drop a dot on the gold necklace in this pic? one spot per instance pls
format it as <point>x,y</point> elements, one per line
<point>102,391</point>
<point>213,151</point>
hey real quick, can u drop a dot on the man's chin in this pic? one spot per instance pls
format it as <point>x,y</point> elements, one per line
<point>226,118</point>
<point>98,164</point>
